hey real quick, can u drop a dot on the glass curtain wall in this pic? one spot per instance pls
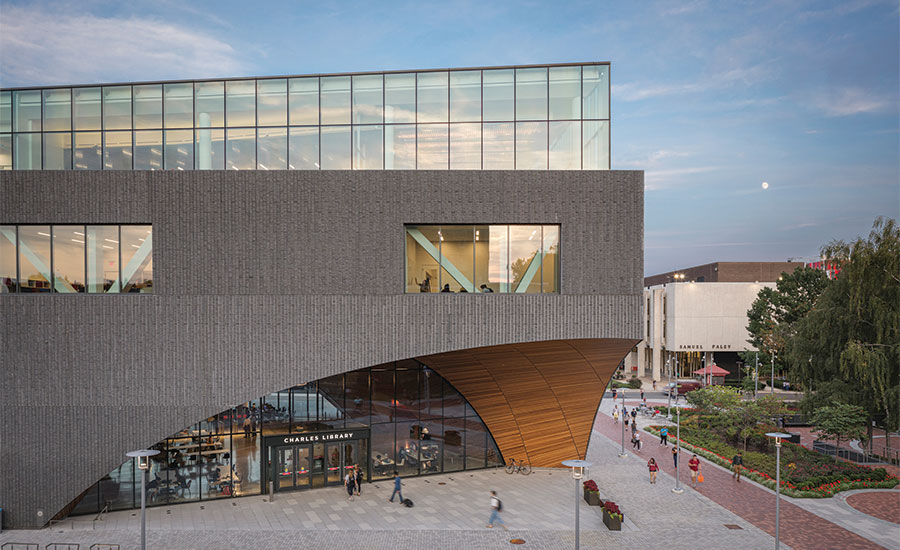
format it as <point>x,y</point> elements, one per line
<point>418,424</point>
<point>529,118</point>
<point>92,259</point>
<point>485,259</point>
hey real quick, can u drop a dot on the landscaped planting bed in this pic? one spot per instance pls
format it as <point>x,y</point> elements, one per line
<point>805,473</point>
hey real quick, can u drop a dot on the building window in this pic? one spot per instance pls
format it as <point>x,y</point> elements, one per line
<point>520,259</point>
<point>76,259</point>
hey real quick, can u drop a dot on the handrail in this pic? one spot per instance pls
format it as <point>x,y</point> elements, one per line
<point>103,511</point>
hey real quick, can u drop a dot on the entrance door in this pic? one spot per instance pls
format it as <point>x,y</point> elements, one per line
<point>303,467</point>
<point>285,471</point>
<point>334,474</point>
<point>317,471</point>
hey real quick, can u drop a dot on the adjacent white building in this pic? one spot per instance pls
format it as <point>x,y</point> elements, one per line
<point>698,323</point>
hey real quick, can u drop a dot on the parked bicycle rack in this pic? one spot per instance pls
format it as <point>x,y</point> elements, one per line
<point>19,546</point>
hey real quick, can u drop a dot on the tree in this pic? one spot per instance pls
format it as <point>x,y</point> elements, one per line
<point>840,422</point>
<point>712,400</point>
<point>745,418</point>
<point>848,346</point>
<point>773,315</point>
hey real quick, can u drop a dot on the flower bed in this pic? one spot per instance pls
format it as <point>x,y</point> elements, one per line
<point>806,474</point>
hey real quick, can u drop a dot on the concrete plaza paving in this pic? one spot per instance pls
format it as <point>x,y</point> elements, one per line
<point>538,508</point>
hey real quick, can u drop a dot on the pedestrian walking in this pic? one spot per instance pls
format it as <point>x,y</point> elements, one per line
<point>614,394</point>
<point>636,441</point>
<point>633,413</point>
<point>642,394</point>
<point>359,479</point>
<point>653,467</point>
<point>736,464</point>
<point>397,488</point>
<point>654,385</point>
<point>496,508</point>
<point>675,454</point>
<point>350,483</point>
<point>633,427</point>
<point>664,436</point>
<point>616,417</point>
<point>694,465</point>
<point>625,419</point>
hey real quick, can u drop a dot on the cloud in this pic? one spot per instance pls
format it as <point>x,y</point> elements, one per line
<point>46,45</point>
<point>651,159</point>
<point>632,91</point>
<point>654,180</point>
<point>850,101</point>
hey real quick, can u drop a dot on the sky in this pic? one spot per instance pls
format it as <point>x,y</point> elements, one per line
<point>709,98</point>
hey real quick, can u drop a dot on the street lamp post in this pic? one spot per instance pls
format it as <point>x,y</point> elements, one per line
<point>669,386</point>
<point>579,469</point>
<point>143,457</point>
<point>772,381</point>
<point>622,452</point>
<point>677,490</point>
<point>756,378</point>
<point>778,436</point>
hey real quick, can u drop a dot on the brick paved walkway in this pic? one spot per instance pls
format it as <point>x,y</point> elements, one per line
<point>800,528</point>
<point>880,504</point>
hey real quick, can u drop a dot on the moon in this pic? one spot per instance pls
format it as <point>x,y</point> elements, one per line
<point>765,185</point>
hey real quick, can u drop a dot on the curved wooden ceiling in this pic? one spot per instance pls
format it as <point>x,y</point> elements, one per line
<point>538,399</point>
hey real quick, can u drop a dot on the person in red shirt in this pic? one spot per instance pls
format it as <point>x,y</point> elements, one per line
<point>694,465</point>
<point>653,467</point>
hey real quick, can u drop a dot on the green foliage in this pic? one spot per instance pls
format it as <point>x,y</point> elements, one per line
<point>772,316</point>
<point>848,346</point>
<point>635,383</point>
<point>840,422</point>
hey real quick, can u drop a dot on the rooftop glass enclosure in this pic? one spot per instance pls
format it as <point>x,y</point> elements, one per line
<point>550,117</point>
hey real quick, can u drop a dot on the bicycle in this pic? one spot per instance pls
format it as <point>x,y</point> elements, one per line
<point>521,467</point>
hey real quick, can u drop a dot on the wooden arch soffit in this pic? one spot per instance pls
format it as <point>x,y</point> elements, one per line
<point>538,399</point>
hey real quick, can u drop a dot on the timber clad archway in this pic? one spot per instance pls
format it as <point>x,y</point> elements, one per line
<point>538,399</point>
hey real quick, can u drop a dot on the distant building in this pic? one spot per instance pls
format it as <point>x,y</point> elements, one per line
<point>700,324</point>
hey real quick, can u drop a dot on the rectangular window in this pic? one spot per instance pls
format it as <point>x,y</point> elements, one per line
<point>6,152</point>
<point>595,140</point>
<point>303,153</point>
<point>335,100</point>
<point>137,258</point>
<point>88,151</point>
<point>57,110</point>
<point>27,111</point>
<point>431,97</point>
<point>209,100</point>
<point>240,149</point>
<point>117,108</point>
<point>271,149</point>
<point>68,259</point>
<point>565,145</point>
<point>28,151</point>
<point>335,147</point>
<point>499,95</point>
<point>34,258</point>
<point>368,150</point>
<point>240,103</point>
<point>499,146</point>
<point>400,147</point>
<point>304,101</point>
<point>102,259</point>
<point>179,105</point>
<point>465,146</point>
<point>400,98</point>
<point>86,105</point>
<point>8,276</point>
<point>58,151</point>
<point>5,111</point>
<point>595,91</point>
<point>209,149</point>
<point>271,102</point>
<point>520,259</point>
<point>368,102</point>
<point>531,94</point>
<point>465,96</point>
<point>531,146</point>
<point>148,107</point>
<point>179,151</point>
<point>117,151</point>
<point>565,93</point>
<point>432,147</point>
<point>148,150</point>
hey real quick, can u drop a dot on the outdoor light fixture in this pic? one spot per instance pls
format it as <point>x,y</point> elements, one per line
<point>579,470</point>
<point>143,464</point>
<point>778,436</point>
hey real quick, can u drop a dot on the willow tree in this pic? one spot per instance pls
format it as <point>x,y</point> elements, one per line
<point>848,345</point>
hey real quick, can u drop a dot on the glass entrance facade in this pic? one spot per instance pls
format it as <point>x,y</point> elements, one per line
<point>402,415</point>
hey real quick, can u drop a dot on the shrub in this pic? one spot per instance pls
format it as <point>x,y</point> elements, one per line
<point>635,383</point>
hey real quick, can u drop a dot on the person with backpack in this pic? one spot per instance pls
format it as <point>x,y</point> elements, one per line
<point>359,479</point>
<point>664,436</point>
<point>496,508</point>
